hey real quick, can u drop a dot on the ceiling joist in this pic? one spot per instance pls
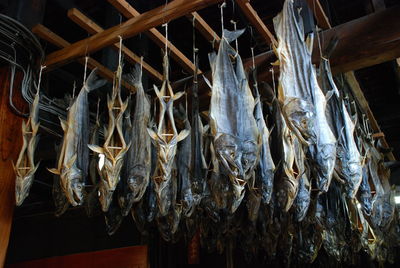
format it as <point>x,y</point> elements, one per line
<point>319,14</point>
<point>129,12</point>
<point>51,37</point>
<point>206,31</point>
<point>91,27</point>
<point>127,29</point>
<point>256,21</point>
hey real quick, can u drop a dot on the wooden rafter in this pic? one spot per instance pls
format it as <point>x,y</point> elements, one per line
<point>127,29</point>
<point>206,31</point>
<point>91,27</point>
<point>53,38</point>
<point>256,21</point>
<point>319,13</point>
<point>351,79</point>
<point>363,104</point>
<point>129,12</point>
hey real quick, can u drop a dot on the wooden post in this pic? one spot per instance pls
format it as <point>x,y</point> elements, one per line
<point>10,143</point>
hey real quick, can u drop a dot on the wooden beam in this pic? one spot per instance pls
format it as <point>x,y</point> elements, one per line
<point>129,12</point>
<point>11,142</point>
<point>256,21</point>
<point>91,27</point>
<point>206,31</point>
<point>364,42</point>
<point>127,29</point>
<point>319,13</point>
<point>53,38</point>
<point>367,41</point>
<point>363,104</point>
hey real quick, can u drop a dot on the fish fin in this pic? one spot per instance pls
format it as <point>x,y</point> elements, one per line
<point>183,134</point>
<point>64,124</point>
<point>71,161</point>
<point>231,36</point>
<point>178,95</point>
<point>153,135</point>
<point>96,148</point>
<point>207,82</point>
<point>54,171</point>
<point>93,82</point>
<point>13,165</point>
<point>212,58</point>
<point>36,167</point>
<point>276,63</point>
<point>158,93</point>
<point>329,94</point>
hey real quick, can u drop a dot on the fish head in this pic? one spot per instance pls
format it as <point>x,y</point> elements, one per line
<point>72,184</point>
<point>138,180</point>
<point>352,172</point>
<point>163,194</point>
<point>326,158</point>
<point>301,115</point>
<point>111,171</point>
<point>249,157</point>
<point>286,193</point>
<point>105,195</point>
<point>22,186</point>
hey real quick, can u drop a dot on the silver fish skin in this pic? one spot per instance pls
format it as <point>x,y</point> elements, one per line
<point>304,104</point>
<point>302,201</point>
<point>74,157</point>
<point>139,153</point>
<point>287,182</point>
<point>184,172</point>
<point>166,141</point>
<point>232,123</point>
<point>25,167</point>
<point>266,166</point>
<point>349,156</point>
<point>115,146</point>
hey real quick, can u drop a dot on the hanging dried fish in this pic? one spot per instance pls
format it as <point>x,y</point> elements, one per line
<point>139,154</point>
<point>115,146</point>
<point>233,127</point>
<point>126,196</point>
<point>287,179</point>
<point>184,170</point>
<point>303,102</point>
<point>25,167</point>
<point>166,140</point>
<point>266,167</point>
<point>74,156</point>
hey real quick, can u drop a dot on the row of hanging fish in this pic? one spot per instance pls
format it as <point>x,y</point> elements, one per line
<point>286,172</point>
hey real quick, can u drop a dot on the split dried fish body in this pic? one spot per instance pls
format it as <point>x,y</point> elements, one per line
<point>166,140</point>
<point>349,156</point>
<point>25,167</point>
<point>139,153</point>
<point>235,132</point>
<point>74,156</point>
<point>303,102</point>
<point>115,147</point>
<point>287,182</point>
<point>184,172</point>
<point>266,166</point>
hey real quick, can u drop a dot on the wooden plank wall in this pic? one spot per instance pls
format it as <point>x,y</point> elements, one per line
<point>129,257</point>
<point>11,142</point>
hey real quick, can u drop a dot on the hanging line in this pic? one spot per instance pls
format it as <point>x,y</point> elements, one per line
<point>73,90</point>
<point>97,112</point>
<point>120,50</point>
<point>222,18</point>
<point>42,67</point>
<point>236,41</point>
<point>84,72</point>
